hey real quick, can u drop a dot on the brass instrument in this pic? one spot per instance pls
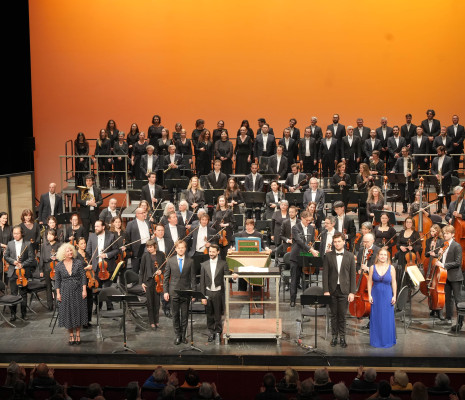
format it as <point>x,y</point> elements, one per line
<point>85,195</point>
<point>441,194</point>
<point>410,168</point>
<point>166,170</point>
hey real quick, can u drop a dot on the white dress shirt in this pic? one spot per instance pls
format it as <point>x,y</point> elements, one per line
<point>174,232</point>
<point>143,231</point>
<point>101,243</point>
<point>339,264</point>
<point>307,147</point>
<point>213,264</point>
<point>440,162</point>
<point>161,245</point>
<point>18,245</point>
<point>201,235</point>
<point>265,140</point>
<point>52,202</point>
<point>150,163</point>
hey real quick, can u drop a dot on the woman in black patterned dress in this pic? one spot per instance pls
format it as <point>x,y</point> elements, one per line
<point>243,152</point>
<point>71,287</point>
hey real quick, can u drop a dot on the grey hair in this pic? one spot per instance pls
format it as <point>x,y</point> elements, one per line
<point>201,211</point>
<point>165,210</point>
<point>205,390</point>
<point>314,118</point>
<point>62,251</point>
<point>371,235</point>
<point>314,179</point>
<point>370,375</point>
<point>183,202</point>
<point>321,376</point>
<point>285,202</point>
<point>340,391</point>
<point>458,189</point>
<point>331,218</point>
<point>441,380</point>
<point>350,127</point>
<point>150,147</point>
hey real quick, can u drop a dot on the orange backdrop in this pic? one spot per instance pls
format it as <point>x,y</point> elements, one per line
<point>94,60</point>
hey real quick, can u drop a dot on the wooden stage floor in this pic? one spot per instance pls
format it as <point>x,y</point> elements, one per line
<point>421,347</point>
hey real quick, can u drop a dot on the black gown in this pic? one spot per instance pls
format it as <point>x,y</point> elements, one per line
<point>154,133</point>
<point>138,151</point>
<point>185,149</point>
<point>224,149</point>
<point>237,197</point>
<point>104,166</point>
<point>386,235</point>
<point>203,161</point>
<point>242,151</point>
<point>81,149</point>
<point>343,189</point>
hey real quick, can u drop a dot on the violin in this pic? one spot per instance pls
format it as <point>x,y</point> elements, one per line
<point>21,279</point>
<point>205,250</point>
<point>437,296</point>
<point>122,254</point>
<point>361,305</point>
<point>223,240</point>
<point>411,257</point>
<point>90,275</point>
<point>52,265</point>
<point>6,266</point>
<point>358,236</point>
<point>103,273</point>
<point>158,279</point>
<point>347,242</point>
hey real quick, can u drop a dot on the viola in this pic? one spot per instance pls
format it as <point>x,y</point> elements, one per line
<point>427,268</point>
<point>122,254</point>
<point>361,305</point>
<point>6,266</point>
<point>21,279</point>
<point>410,258</point>
<point>158,279</point>
<point>103,273</point>
<point>90,275</point>
<point>52,265</point>
<point>437,296</point>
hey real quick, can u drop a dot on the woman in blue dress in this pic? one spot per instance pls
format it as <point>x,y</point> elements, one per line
<point>382,289</point>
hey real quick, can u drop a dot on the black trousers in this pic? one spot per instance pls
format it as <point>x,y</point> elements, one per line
<point>18,291</point>
<point>214,311</point>
<point>49,287</point>
<point>88,223</point>
<point>456,160</point>
<point>254,209</point>
<point>327,167</point>
<point>180,312</point>
<point>445,190</point>
<point>308,165</point>
<point>352,166</point>
<point>407,193</point>
<point>120,177</point>
<point>296,273</point>
<point>449,289</point>
<point>135,264</point>
<point>153,302</point>
<point>338,306</point>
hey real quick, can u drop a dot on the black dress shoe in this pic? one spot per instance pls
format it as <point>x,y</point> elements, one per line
<point>24,317</point>
<point>211,337</point>
<point>177,341</point>
<point>184,340</point>
<point>13,317</point>
<point>333,341</point>
<point>454,328</point>
<point>292,303</point>
<point>343,342</point>
<point>299,286</point>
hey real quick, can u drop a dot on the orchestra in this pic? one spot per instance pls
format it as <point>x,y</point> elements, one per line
<point>371,176</point>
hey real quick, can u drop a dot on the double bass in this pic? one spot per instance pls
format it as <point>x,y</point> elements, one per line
<point>436,293</point>
<point>361,305</point>
<point>422,222</point>
<point>459,225</point>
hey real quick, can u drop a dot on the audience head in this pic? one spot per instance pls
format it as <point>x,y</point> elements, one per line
<point>340,391</point>
<point>14,373</point>
<point>160,375</point>
<point>384,389</point>
<point>42,370</point>
<point>291,376</point>
<point>205,391</point>
<point>419,391</point>
<point>269,381</point>
<point>132,391</point>
<point>441,381</point>
<point>94,390</point>
<point>370,375</point>
<point>307,387</point>
<point>192,377</point>
<point>400,378</point>
<point>321,376</point>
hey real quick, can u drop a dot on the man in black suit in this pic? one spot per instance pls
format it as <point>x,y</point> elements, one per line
<point>302,234</point>
<point>316,132</point>
<point>202,238</point>
<point>328,153</point>
<point>265,144</point>
<point>138,231</point>
<point>419,144</point>
<point>261,122</point>
<point>173,230</point>
<point>102,247</point>
<point>339,283</point>
<point>431,126</point>
<point>363,132</point>
<point>383,133</point>
<point>442,167</point>
<point>368,241</point>
<point>294,178</point>
<point>456,210</point>
<point>443,140</point>
<point>290,147</point>
<point>165,246</point>
<point>328,231</point>
<point>350,150</point>
<point>395,144</point>
<point>338,130</point>
<point>149,162</point>
<point>408,167</point>
<point>451,261</point>
<point>408,130</point>
<point>365,380</point>
<point>278,163</point>
<point>457,134</point>
<point>288,224</point>
<point>344,223</point>
<point>308,151</point>
<point>313,193</point>
<point>50,204</point>
<point>179,275</point>
<point>172,161</point>
<point>295,132</point>
<point>89,206</point>
<point>109,212</point>
<point>253,183</point>
<point>370,145</point>
<point>152,193</point>
<point>185,216</point>
<point>216,178</point>
<point>212,273</point>
<point>18,254</point>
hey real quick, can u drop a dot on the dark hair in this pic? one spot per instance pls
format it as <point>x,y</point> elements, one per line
<point>26,212</point>
<point>2,214</point>
<point>132,391</point>
<point>137,129</point>
<point>430,111</point>
<point>269,381</point>
<point>107,129</point>
<point>94,390</point>
<point>245,122</point>
<point>338,235</point>
<point>89,176</point>
<point>293,119</point>
<point>80,134</point>
<point>384,388</point>
<point>441,148</point>
<point>156,116</point>
<point>338,204</point>
<point>215,246</point>
<point>53,232</point>
<point>408,115</point>
<point>199,122</point>
<point>192,377</point>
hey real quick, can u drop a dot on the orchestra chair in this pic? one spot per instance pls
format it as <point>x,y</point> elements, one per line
<point>285,271</point>
<point>401,305</point>
<point>150,393</point>
<point>7,300</point>
<point>460,315</point>
<point>35,286</point>
<point>240,221</point>
<point>109,314</point>
<point>42,392</point>
<point>309,311</point>
<point>131,285</point>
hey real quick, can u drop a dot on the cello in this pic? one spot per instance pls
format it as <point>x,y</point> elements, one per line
<point>428,267</point>
<point>459,225</point>
<point>437,296</point>
<point>361,306</point>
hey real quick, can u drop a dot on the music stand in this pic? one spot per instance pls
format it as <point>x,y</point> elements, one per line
<point>294,199</point>
<point>64,218</point>
<point>309,300</point>
<point>122,298</point>
<point>391,215</point>
<point>309,261</point>
<point>188,295</point>
<point>263,163</point>
<point>175,185</point>
<point>431,180</point>
<point>211,195</point>
<point>264,225</point>
<point>270,177</point>
<point>254,198</point>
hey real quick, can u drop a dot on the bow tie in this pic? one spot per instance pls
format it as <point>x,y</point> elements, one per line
<point>339,254</point>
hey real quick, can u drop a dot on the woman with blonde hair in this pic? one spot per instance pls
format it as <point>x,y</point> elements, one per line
<point>71,292</point>
<point>375,201</point>
<point>195,196</point>
<point>364,178</point>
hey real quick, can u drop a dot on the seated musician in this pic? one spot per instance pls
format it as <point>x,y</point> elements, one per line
<point>342,182</point>
<point>456,208</point>
<point>408,167</point>
<point>216,178</point>
<point>375,201</point>
<point>313,193</point>
<point>385,233</point>
<point>185,216</point>
<point>366,227</point>
<point>223,217</point>
<point>151,265</point>
<point>368,243</point>
<point>294,179</point>
<point>272,200</point>
<point>376,164</point>
<point>249,232</point>
<point>344,223</point>
<point>144,206</point>
<point>364,178</point>
<point>432,246</point>
<point>451,261</point>
<point>53,224</point>
<point>195,195</point>
<point>415,206</point>
<point>253,183</point>
<point>408,242</point>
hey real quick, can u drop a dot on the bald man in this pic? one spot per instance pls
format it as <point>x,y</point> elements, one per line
<point>50,204</point>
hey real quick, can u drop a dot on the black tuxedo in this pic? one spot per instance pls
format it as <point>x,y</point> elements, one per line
<point>370,261</point>
<point>283,166</point>
<point>368,147</point>
<point>456,139</point>
<point>423,148</point>
<point>364,135</point>
<point>189,217</point>
<point>211,236</point>
<point>174,279</point>
<point>348,225</point>
<point>221,183</point>
<point>394,148</point>
<point>173,173</point>
<point>328,156</point>
<point>351,152</point>
<point>88,216</point>
<point>407,133</point>
<point>400,167</point>
<point>290,151</point>
<point>181,233</point>
<point>449,216</point>
<point>447,170</point>
<point>145,194</point>
<point>269,199</point>
<point>248,183</point>
<point>270,146</point>
<point>316,134</point>
<point>308,164</point>
<point>438,141</point>
<point>436,127</point>
<point>286,230</point>
<point>45,209</point>
<point>453,266</point>
<point>319,199</point>
<point>168,246</point>
<point>144,166</point>
<point>338,133</point>
<point>133,234</point>
<point>339,291</point>
<point>215,298</point>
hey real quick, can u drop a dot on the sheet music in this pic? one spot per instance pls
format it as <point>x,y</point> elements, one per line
<point>252,269</point>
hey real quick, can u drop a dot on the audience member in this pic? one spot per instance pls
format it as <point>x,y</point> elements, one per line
<point>42,376</point>
<point>20,391</point>
<point>207,391</point>
<point>460,394</point>
<point>158,379</point>
<point>322,381</point>
<point>289,382</point>
<point>307,390</point>
<point>268,391</point>
<point>419,391</point>
<point>340,391</point>
<point>171,393</point>
<point>399,381</point>
<point>132,391</point>
<point>365,379</point>
<point>441,384</point>
<point>93,390</point>
<point>384,392</point>
<point>14,373</point>
<point>191,379</point>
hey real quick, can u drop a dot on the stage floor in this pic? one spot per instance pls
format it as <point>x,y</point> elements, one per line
<point>421,346</point>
